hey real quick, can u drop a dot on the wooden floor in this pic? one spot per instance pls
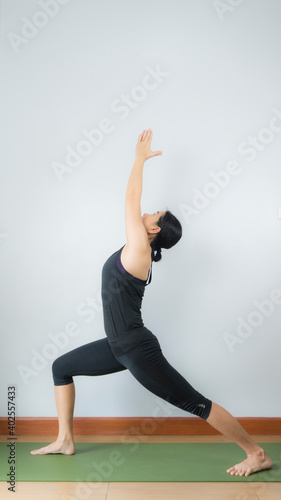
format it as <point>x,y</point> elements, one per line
<point>144,491</point>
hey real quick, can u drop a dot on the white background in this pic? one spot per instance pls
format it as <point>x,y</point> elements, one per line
<point>221,87</point>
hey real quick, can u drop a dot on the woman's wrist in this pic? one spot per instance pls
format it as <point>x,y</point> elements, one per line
<point>140,159</point>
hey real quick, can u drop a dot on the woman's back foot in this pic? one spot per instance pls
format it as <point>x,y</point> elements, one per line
<point>253,463</point>
<point>64,447</point>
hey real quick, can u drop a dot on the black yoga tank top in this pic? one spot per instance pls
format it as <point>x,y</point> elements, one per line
<point>122,295</point>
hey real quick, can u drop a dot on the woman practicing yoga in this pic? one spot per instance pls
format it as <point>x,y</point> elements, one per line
<point>128,343</point>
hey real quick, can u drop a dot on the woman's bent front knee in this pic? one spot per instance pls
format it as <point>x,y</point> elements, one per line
<point>59,372</point>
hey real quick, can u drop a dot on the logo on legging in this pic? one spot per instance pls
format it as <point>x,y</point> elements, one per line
<point>203,406</point>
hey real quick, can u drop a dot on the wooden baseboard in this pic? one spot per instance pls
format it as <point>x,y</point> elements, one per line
<point>102,426</point>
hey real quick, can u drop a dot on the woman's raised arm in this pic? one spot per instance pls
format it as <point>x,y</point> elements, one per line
<point>135,230</point>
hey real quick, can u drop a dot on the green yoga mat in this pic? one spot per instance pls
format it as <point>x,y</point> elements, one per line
<point>137,462</point>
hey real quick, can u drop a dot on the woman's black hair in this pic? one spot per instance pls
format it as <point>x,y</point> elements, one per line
<point>170,234</point>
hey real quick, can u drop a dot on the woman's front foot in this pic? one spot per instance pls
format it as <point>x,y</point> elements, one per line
<point>66,447</point>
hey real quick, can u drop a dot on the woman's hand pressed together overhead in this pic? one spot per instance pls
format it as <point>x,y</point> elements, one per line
<point>143,147</point>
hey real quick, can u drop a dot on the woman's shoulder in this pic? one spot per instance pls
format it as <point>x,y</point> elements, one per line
<point>136,261</point>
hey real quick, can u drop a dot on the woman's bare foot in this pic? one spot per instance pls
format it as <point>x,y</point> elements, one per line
<point>253,463</point>
<point>58,446</point>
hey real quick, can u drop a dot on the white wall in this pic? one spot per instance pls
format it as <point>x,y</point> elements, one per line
<point>219,88</point>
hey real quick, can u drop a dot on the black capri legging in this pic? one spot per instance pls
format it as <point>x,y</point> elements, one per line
<point>140,352</point>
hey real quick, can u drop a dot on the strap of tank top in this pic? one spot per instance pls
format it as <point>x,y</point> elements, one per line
<point>150,275</point>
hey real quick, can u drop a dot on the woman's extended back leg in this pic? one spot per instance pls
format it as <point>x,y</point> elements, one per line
<point>147,363</point>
